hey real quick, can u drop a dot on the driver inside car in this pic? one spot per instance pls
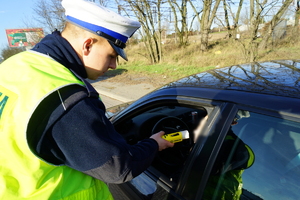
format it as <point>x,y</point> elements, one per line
<point>225,181</point>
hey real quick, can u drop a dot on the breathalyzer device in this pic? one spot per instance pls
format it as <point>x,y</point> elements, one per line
<point>177,136</point>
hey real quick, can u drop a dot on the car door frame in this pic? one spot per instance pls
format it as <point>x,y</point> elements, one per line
<point>213,107</point>
<point>226,104</point>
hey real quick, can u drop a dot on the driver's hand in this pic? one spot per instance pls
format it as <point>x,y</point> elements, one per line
<point>162,143</point>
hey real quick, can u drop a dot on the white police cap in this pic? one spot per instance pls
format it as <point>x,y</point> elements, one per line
<point>101,21</point>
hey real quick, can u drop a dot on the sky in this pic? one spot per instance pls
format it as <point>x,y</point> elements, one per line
<point>13,15</point>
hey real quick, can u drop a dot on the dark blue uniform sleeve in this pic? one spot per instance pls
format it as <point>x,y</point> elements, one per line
<point>85,140</point>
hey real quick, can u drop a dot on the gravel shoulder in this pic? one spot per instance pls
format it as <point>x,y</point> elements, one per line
<point>123,88</point>
<point>133,79</point>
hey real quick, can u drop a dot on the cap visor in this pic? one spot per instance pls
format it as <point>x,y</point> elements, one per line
<point>119,51</point>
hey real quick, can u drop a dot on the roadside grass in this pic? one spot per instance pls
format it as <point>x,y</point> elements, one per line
<point>179,62</point>
<point>169,71</point>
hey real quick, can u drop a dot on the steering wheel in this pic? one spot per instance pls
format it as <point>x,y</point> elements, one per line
<point>176,155</point>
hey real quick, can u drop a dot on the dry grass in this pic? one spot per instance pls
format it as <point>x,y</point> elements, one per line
<point>179,62</point>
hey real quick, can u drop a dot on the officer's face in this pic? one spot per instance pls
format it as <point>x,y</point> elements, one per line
<point>98,57</point>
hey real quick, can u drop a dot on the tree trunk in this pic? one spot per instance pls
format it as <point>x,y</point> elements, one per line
<point>181,32</point>
<point>204,40</point>
<point>276,18</point>
<point>236,19</point>
<point>206,21</point>
<point>296,25</point>
<point>227,19</point>
<point>143,10</point>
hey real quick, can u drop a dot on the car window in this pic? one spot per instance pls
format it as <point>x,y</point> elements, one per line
<point>169,163</point>
<point>169,119</point>
<point>259,159</point>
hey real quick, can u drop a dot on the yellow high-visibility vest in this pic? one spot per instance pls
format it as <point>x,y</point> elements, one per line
<point>25,80</point>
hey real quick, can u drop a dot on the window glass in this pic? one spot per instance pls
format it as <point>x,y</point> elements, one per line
<point>259,159</point>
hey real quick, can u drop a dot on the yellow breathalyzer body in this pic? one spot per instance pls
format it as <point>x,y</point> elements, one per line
<point>177,136</point>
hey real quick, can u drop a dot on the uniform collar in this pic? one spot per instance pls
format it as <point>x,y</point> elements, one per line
<point>60,50</point>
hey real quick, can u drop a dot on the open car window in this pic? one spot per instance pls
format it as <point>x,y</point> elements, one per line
<point>169,162</point>
<point>259,159</point>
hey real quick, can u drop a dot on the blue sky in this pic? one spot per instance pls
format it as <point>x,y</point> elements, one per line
<point>14,14</point>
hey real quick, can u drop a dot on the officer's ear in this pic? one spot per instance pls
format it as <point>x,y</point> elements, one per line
<point>87,46</point>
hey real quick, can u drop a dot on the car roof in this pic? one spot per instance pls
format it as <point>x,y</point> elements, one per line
<point>279,77</point>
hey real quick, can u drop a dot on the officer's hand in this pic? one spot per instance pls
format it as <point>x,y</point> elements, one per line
<point>162,143</point>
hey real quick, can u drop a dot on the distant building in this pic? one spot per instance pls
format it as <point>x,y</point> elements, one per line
<point>244,28</point>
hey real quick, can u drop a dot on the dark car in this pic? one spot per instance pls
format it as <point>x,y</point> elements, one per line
<point>244,125</point>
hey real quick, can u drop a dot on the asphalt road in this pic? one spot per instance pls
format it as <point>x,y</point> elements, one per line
<point>115,93</point>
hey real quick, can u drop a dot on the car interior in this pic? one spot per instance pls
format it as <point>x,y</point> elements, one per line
<point>169,119</point>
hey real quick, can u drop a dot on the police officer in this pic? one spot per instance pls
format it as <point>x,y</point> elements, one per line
<point>56,142</point>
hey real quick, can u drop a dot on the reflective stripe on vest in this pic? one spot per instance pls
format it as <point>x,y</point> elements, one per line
<point>25,80</point>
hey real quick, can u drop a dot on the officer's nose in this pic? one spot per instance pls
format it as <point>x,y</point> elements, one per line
<point>113,63</point>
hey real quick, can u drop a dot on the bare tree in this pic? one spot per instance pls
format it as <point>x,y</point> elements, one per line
<point>208,11</point>
<point>244,18</point>
<point>274,21</point>
<point>10,51</point>
<point>208,15</point>
<point>197,15</point>
<point>180,21</point>
<point>232,30</point>
<point>259,11</point>
<point>150,15</point>
<point>297,17</point>
<point>50,14</point>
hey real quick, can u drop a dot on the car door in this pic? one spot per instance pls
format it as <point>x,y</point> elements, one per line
<point>164,178</point>
<point>242,152</point>
<point>256,157</point>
